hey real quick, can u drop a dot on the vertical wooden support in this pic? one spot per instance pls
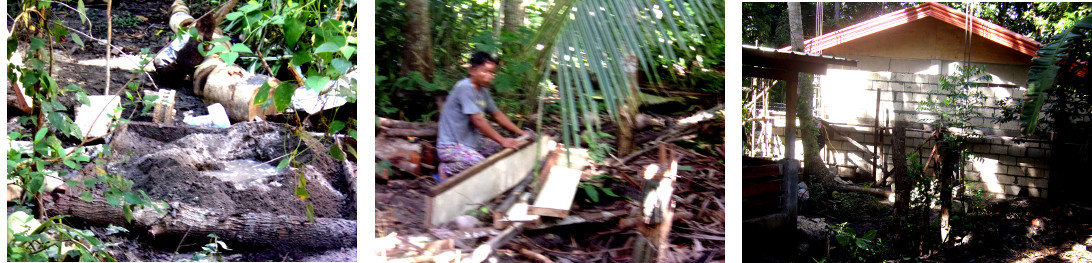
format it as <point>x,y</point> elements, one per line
<point>902,182</point>
<point>876,140</point>
<point>657,208</point>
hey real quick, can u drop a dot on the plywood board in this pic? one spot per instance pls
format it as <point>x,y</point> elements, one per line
<point>481,182</point>
<point>557,193</point>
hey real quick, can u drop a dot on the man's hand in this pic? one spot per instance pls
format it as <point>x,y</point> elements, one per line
<point>509,143</point>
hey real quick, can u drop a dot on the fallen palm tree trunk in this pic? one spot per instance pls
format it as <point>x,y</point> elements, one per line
<point>247,228</point>
<point>397,128</point>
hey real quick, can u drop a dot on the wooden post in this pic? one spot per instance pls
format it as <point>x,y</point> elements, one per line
<point>902,182</point>
<point>947,168</point>
<point>876,139</point>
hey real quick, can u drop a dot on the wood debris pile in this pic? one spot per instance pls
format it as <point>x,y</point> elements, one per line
<point>618,214</point>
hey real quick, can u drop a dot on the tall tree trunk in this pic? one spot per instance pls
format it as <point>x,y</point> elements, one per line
<point>809,132</point>
<point>418,54</point>
<point>513,15</point>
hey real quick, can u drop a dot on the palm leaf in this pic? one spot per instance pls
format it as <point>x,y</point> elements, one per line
<point>1044,71</point>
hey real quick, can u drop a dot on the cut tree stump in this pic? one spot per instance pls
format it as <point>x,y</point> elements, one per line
<point>657,209</point>
<point>261,229</point>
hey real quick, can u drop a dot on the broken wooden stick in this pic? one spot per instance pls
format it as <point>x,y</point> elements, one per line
<point>248,228</point>
<point>485,250</point>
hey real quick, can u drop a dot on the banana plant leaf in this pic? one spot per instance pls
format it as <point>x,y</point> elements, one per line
<point>1044,71</point>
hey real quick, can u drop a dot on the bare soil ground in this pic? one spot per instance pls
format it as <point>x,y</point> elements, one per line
<point>143,25</point>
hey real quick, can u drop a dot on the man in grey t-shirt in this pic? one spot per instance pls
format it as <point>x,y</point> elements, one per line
<point>460,144</point>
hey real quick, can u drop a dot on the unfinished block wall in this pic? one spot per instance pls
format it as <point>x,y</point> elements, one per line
<point>848,99</point>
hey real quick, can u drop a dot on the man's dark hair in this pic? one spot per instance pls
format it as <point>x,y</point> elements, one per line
<point>479,58</point>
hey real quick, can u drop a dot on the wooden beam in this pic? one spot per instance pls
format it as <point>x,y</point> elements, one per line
<point>481,182</point>
<point>652,243</point>
<point>767,73</point>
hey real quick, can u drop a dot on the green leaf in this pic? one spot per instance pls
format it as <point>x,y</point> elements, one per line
<point>301,57</point>
<point>871,234</point>
<point>113,200</point>
<point>216,49</point>
<point>609,192</point>
<point>233,15</point>
<point>260,99</point>
<point>336,153</point>
<point>592,193</point>
<point>87,197</point>
<point>302,192</point>
<point>328,47</point>
<point>76,38</point>
<point>316,83</point>
<point>282,97</point>
<point>293,29</point>
<point>284,163</point>
<point>310,212</point>
<point>229,57</point>
<point>240,48</point>
<point>336,126</point>
<point>861,243</point>
<point>132,198</point>
<point>341,66</point>
<point>38,136</point>
<point>347,51</point>
<point>71,164</point>
<point>128,213</point>
<point>686,168</point>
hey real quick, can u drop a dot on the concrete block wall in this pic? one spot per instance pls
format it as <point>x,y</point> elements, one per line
<point>1000,165</point>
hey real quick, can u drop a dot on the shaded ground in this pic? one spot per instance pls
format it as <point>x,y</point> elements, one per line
<point>1009,230</point>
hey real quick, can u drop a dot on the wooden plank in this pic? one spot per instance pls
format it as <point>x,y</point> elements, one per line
<point>760,188</point>
<point>478,168</point>
<point>557,193</point>
<point>760,171</point>
<point>480,183</point>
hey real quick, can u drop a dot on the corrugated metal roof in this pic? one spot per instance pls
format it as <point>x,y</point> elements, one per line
<point>783,51</point>
<point>980,27</point>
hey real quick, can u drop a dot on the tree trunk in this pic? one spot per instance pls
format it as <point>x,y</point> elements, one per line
<point>513,15</point>
<point>947,169</point>
<point>813,163</point>
<point>418,54</point>
<point>197,223</point>
<point>629,109</point>
<point>902,181</point>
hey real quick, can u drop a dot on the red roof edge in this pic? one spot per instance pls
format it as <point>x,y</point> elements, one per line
<point>980,27</point>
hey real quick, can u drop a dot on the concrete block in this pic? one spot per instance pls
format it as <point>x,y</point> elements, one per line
<point>998,149</point>
<point>973,176</point>
<point>1012,190</point>
<point>1038,172</point>
<point>1005,179</point>
<point>902,76</point>
<point>981,148</point>
<point>94,120</point>
<point>1017,151</point>
<point>1005,159</point>
<point>1034,182</point>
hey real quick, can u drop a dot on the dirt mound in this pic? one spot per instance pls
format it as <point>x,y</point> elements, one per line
<point>208,168</point>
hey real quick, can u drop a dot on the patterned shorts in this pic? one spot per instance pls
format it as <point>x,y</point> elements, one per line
<point>455,158</point>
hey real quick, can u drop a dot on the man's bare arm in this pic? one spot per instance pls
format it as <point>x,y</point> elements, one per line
<point>506,123</point>
<point>483,126</point>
